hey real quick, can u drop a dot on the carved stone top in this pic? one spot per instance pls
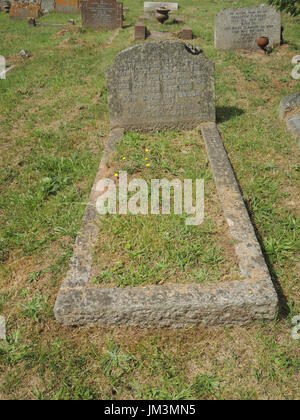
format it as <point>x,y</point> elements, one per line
<point>158,85</point>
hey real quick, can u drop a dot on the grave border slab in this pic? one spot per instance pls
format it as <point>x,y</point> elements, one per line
<point>179,305</point>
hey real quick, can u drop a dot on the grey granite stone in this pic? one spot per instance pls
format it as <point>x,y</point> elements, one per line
<point>160,85</point>
<point>240,28</point>
<point>289,104</point>
<point>293,125</point>
<point>48,5</point>
<point>289,111</point>
<point>168,306</point>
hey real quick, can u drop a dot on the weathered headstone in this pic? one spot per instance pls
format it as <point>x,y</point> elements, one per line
<point>151,6</point>
<point>48,5</point>
<point>288,105</point>
<point>67,6</point>
<point>102,14</point>
<point>161,85</point>
<point>240,28</point>
<point>25,9</point>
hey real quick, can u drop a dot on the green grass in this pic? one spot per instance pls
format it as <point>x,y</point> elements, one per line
<point>54,120</point>
<point>134,250</point>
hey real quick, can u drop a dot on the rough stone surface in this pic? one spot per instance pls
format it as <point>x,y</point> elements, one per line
<point>151,6</point>
<point>293,125</point>
<point>67,6</point>
<point>173,306</point>
<point>24,9</point>
<point>160,85</point>
<point>289,111</point>
<point>236,302</point>
<point>5,5</point>
<point>102,14</point>
<point>251,261</point>
<point>289,104</point>
<point>240,28</point>
<point>48,5</point>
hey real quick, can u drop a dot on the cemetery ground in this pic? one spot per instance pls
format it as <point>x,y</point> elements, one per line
<point>54,122</point>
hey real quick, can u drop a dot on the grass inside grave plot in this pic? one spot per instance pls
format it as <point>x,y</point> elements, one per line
<point>157,249</point>
<point>54,121</point>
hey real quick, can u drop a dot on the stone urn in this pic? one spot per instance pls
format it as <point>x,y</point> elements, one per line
<point>162,14</point>
<point>262,42</point>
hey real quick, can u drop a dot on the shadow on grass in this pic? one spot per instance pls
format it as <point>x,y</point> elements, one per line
<point>283,310</point>
<point>226,113</point>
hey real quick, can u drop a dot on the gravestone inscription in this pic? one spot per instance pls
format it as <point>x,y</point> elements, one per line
<point>67,6</point>
<point>240,28</point>
<point>48,5</point>
<point>102,14</point>
<point>25,9</point>
<point>159,85</point>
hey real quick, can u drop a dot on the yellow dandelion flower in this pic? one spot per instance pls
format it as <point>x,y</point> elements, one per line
<point>147,165</point>
<point>124,158</point>
<point>147,150</point>
<point>146,158</point>
<point>116,175</point>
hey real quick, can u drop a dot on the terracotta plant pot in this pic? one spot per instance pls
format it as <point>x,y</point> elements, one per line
<point>262,42</point>
<point>162,14</point>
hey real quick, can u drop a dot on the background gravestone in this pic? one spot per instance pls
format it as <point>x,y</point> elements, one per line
<point>67,6</point>
<point>25,9</point>
<point>102,14</point>
<point>48,5</point>
<point>161,85</point>
<point>240,28</point>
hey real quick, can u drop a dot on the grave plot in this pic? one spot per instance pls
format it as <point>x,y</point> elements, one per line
<point>134,250</point>
<point>179,94</point>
